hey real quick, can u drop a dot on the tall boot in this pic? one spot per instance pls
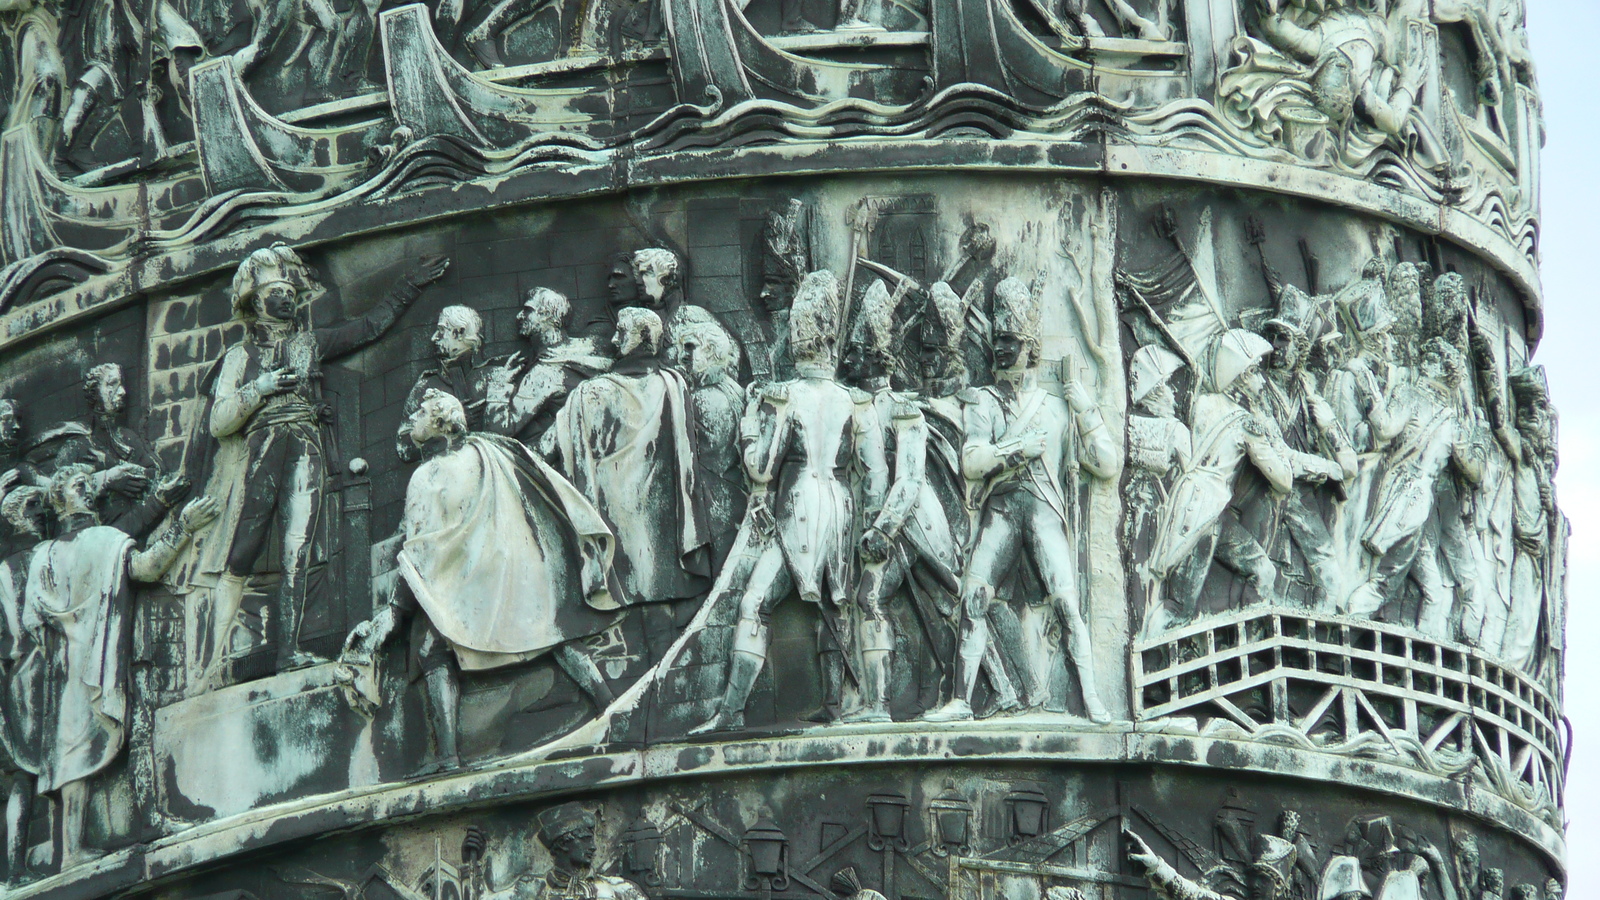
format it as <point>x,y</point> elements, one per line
<point>1079,646</point>
<point>832,663</point>
<point>288,610</point>
<point>19,809</point>
<point>749,655</point>
<point>830,658</point>
<point>74,807</point>
<point>580,666</point>
<point>877,644</point>
<point>444,709</point>
<point>226,599</point>
<point>969,659</point>
<point>1005,692</point>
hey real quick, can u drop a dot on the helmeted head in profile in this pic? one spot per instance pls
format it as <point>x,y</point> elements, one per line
<point>1441,363</point>
<point>1372,321</point>
<point>1150,380</point>
<point>868,354</point>
<point>1016,325</point>
<point>1342,880</point>
<point>567,831</point>
<point>1236,362</point>
<point>1272,869</point>
<point>1535,417</point>
<point>1447,314</point>
<point>639,332</point>
<point>944,328</point>
<point>270,283</point>
<point>814,320</point>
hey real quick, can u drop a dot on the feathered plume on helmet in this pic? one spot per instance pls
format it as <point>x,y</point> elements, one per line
<point>814,318</point>
<point>944,322</point>
<point>874,324</point>
<point>1016,309</point>
<point>1235,352</point>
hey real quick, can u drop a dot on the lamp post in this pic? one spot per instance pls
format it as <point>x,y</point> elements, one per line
<point>766,850</point>
<point>1027,811</point>
<point>950,822</point>
<point>886,821</point>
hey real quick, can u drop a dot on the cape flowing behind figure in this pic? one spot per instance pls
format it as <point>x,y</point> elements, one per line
<point>625,441</point>
<point>507,558</point>
<point>79,594</point>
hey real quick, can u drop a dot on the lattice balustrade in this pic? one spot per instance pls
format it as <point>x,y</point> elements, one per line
<point>1340,683</point>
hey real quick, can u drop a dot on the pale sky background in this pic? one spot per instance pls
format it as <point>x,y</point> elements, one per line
<point>1566,45</point>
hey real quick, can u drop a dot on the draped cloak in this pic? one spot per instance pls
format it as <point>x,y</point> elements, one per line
<point>624,442</point>
<point>78,595</point>
<point>505,556</point>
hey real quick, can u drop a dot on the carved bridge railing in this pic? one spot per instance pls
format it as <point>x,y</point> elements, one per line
<point>1355,686</point>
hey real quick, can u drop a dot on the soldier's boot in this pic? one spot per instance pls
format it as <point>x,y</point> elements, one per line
<point>1006,699</point>
<point>226,599</point>
<point>444,708</point>
<point>877,643</point>
<point>581,668</point>
<point>832,663</point>
<point>19,810</point>
<point>749,655</point>
<point>287,609</point>
<point>830,657</point>
<point>969,657</point>
<point>1082,650</point>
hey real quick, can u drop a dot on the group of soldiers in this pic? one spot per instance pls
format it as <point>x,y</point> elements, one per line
<point>827,484</point>
<point>1357,449</point>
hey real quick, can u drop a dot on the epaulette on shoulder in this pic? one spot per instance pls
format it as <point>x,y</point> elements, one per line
<point>858,396</point>
<point>777,392</point>
<point>969,394</point>
<point>906,407</point>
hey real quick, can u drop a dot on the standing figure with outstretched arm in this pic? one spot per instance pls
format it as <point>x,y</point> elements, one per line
<point>271,462</point>
<point>1023,448</point>
<point>805,442</point>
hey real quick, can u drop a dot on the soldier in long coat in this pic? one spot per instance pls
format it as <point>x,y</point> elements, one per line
<point>507,560</point>
<point>270,465</point>
<point>1195,525</point>
<point>1023,449</point>
<point>1398,533</point>
<point>808,443</point>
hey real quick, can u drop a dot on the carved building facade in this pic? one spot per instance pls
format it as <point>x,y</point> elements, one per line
<point>954,449</point>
